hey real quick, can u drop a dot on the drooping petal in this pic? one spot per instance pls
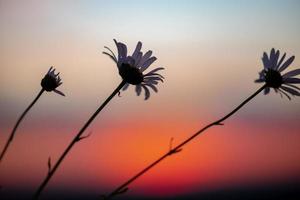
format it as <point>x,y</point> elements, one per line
<point>154,74</point>
<point>291,73</point>
<point>138,89</point>
<point>267,90</point>
<point>147,63</point>
<point>147,92</point>
<point>259,81</point>
<point>113,58</point>
<point>112,53</point>
<point>293,86</point>
<point>286,64</point>
<point>59,92</point>
<point>125,86</point>
<point>155,70</point>
<point>285,94</point>
<point>291,80</point>
<point>153,82</point>
<point>152,87</point>
<point>290,90</point>
<point>154,78</point>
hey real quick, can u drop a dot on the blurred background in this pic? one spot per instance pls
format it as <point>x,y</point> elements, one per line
<point>211,51</point>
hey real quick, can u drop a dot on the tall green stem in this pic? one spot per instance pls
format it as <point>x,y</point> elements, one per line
<point>77,138</point>
<point>121,189</point>
<point>11,137</point>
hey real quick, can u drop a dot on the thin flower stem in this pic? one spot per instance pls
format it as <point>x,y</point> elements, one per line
<point>11,137</point>
<point>77,138</point>
<point>121,189</point>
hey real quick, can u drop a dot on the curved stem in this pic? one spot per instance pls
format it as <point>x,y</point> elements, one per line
<point>11,137</point>
<point>77,138</point>
<point>121,189</point>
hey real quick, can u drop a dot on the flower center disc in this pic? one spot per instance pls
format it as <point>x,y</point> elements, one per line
<point>273,78</point>
<point>49,83</point>
<point>131,74</point>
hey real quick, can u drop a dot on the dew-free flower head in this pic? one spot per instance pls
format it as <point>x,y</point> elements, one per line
<point>271,74</point>
<point>132,67</point>
<point>51,81</point>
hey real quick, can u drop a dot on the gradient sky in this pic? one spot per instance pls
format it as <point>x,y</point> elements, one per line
<point>212,54</point>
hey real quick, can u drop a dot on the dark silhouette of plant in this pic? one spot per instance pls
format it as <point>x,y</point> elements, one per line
<point>49,83</point>
<point>131,70</point>
<point>270,76</point>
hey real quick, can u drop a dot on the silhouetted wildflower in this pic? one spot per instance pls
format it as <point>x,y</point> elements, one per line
<point>51,81</point>
<point>131,68</point>
<point>271,74</point>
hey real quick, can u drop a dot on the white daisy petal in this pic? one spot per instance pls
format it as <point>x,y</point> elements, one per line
<point>155,70</point>
<point>266,90</point>
<point>137,50</point>
<point>50,69</point>
<point>291,73</point>
<point>265,60</point>
<point>122,49</point>
<point>259,81</point>
<point>112,53</point>
<point>125,86</point>
<point>154,74</point>
<point>144,58</point>
<point>138,59</point>
<point>154,78</point>
<point>113,58</point>
<point>293,86</point>
<point>275,60</point>
<point>290,90</point>
<point>147,63</point>
<point>147,92</point>
<point>272,58</point>
<point>138,89</point>
<point>151,82</point>
<point>285,94</point>
<point>291,80</point>
<point>152,87</point>
<point>59,92</point>
<point>286,64</point>
<point>280,61</point>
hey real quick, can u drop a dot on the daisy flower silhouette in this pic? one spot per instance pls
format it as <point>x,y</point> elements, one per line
<point>132,67</point>
<point>49,83</point>
<point>272,76</point>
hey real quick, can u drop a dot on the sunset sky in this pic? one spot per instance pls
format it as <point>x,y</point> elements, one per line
<point>211,52</point>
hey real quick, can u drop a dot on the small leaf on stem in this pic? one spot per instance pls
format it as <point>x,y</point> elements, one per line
<point>49,164</point>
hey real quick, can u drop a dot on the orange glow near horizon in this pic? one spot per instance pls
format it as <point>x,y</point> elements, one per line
<point>221,157</point>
